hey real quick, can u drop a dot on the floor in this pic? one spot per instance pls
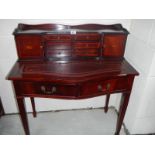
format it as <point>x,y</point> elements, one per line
<point>71,122</point>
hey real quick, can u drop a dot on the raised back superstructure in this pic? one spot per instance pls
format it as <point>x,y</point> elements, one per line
<point>47,41</point>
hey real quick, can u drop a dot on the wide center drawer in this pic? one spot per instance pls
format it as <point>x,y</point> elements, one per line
<point>47,89</point>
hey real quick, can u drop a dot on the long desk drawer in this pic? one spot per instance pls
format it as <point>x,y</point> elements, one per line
<point>47,89</point>
<point>104,86</point>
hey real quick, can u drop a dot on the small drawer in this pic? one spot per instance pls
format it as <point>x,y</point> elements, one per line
<point>60,37</point>
<point>105,86</point>
<point>48,89</point>
<point>82,37</point>
<point>57,45</point>
<point>82,45</point>
<point>86,52</point>
<point>58,53</point>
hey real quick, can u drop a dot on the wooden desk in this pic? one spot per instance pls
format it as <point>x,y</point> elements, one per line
<point>91,73</point>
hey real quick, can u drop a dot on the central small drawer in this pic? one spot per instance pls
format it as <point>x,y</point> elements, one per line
<point>57,45</point>
<point>57,49</point>
<point>86,52</point>
<point>58,37</point>
<point>90,37</point>
<point>80,45</point>
<point>58,53</point>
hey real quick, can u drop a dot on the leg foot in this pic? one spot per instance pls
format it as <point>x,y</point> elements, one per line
<point>107,103</point>
<point>33,106</point>
<point>122,110</point>
<point>23,115</point>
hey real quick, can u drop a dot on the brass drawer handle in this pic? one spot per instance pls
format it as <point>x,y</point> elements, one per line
<point>52,91</point>
<point>99,87</point>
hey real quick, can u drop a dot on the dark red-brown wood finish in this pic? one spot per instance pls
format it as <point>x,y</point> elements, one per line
<point>71,62</point>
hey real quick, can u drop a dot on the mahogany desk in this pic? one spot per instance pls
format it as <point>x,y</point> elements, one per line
<point>74,62</point>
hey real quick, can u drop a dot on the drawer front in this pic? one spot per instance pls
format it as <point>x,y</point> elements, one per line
<point>86,52</point>
<point>83,37</point>
<point>58,49</point>
<point>57,46</point>
<point>60,37</point>
<point>114,45</point>
<point>58,53</point>
<point>105,86</point>
<point>87,89</point>
<point>82,45</point>
<point>29,46</point>
<point>48,89</point>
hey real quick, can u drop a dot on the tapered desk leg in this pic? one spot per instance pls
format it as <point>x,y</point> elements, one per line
<point>33,106</point>
<point>107,103</point>
<point>122,110</point>
<point>23,115</point>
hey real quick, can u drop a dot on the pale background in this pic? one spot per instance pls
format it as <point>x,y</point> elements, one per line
<point>140,52</point>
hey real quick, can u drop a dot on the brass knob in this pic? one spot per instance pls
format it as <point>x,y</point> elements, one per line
<point>54,89</point>
<point>43,89</point>
<point>41,46</point>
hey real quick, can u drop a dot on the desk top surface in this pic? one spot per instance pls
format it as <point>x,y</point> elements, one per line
<point>77,70</point>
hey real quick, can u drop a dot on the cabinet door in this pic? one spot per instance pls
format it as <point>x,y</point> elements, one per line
<point>29,46</point>
<point>114,45</point>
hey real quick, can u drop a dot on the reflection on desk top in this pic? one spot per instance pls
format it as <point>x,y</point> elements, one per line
<point>69,70</point>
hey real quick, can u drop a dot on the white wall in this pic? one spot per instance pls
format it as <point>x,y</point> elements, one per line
<point>140,52</point>
<point>8,57</point>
